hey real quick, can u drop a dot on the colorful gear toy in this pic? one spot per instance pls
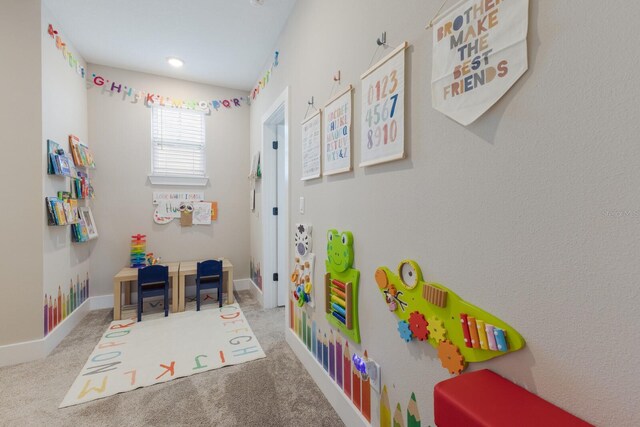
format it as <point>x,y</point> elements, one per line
<point>450,357</point>
<point>405,331</point>
<point>418,325</point>
<point>437,331</point>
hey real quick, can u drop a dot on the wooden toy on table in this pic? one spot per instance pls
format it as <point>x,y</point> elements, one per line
<point>138,251</point>
<point>460,331</point>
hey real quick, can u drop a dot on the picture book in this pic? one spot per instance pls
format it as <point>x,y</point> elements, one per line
<point>68,214</point>
<point>51,219</point>
<point>54,164</point>
<point>63,162</point>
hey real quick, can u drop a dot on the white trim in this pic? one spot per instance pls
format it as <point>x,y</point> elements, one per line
<point>101,301</point>
<point>342,405</point>
<point>276,114</point>
<point>28,351</point>
<point>242,285</point>
<point>257,292</point>
<point>178,180</point>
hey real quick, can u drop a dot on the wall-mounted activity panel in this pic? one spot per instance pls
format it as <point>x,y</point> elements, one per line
<point>460,331</point>
<point>341,285</point>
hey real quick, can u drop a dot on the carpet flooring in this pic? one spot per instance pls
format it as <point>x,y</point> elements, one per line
<point>276,391</point>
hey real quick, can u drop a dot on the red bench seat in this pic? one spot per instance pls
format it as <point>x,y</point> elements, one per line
<point>483,398</point>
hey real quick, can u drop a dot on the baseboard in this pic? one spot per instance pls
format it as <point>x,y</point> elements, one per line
<point>342,405</point>
<point>101,301</point>
<point>242,284</point>
<point>28,351</point>
<point>256,292</point>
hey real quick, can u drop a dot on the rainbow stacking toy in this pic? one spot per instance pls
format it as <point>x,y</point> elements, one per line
<point>138,251</point>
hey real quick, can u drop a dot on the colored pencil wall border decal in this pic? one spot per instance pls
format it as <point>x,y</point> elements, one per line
<point>413,416</point>
<point>58,307</point>
<point>333,355</point>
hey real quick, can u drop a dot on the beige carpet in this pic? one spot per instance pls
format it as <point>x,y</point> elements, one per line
<point>276,391</point>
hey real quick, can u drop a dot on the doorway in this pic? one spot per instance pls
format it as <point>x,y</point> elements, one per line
<point>275,202</point>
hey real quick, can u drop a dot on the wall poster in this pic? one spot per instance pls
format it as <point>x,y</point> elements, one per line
<point>311,142</point>
<point>337,133</point>
<point>382,117</point>
<point>479,52</point>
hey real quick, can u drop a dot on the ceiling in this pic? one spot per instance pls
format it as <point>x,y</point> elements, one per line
<point>222,42</point>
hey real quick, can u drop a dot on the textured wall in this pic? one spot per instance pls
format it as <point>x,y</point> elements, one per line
<point>64,112</point>
<point>531,213</point>
<point>120,133</point>
<point>21,227</point>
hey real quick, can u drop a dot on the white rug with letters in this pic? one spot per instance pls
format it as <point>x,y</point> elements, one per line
<point>131,355</point>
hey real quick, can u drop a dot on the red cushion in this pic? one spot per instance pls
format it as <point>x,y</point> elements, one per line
<point>484,398</point>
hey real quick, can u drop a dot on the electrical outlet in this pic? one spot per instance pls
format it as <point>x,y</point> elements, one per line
<point>374,372</point>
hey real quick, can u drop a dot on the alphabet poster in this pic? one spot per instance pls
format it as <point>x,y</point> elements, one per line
<point>382,118</point>
<point>311,142</point>
<point>337,134</point>
<point>479,52</point>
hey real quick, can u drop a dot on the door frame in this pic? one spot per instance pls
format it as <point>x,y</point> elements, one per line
<point>276,114</point>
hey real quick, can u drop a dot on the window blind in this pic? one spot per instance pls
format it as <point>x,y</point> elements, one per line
<point>178,142</point>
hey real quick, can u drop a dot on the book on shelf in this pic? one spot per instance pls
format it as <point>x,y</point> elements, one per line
<point>63,163</point>
<point>56,210</point>
<point>52,148</point>
<point>79,231</point>
<point>80,153</point>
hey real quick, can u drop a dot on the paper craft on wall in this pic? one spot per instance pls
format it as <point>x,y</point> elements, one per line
<point>382,116</point>
<point>173,205</point>
<point>186,214</point>
<point>460,331</point>
<point>201,213</point>
<point>479,52</point>
<point>337,133</point>
<point>311,143</point>
<point>303,268</point>
<point>341,285</point>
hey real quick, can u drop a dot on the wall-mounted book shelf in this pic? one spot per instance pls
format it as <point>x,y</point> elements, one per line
<point>64,209</point>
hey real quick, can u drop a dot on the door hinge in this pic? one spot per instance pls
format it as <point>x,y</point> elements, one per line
<point>275,211</point>
<point>275,277</point>
<point>275,145</point>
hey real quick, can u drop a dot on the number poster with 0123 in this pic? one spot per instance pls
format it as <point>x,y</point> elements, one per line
<point>382,118</point>
<point>311,142</point>
<point>336,147</point>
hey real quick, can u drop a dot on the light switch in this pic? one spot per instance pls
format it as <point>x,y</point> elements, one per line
<point>301,205</point>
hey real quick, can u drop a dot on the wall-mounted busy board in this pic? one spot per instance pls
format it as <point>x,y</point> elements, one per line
<point>430,312</point>
<point>341,285</point>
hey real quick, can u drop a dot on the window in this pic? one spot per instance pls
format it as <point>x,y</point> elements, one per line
<point>177,147</point>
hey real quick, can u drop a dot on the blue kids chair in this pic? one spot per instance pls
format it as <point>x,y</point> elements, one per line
<point>209,276</point>
<point>153,281</point>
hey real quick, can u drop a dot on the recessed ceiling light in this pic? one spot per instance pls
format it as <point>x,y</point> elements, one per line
<point>175,62</point>
<point>256,2</point>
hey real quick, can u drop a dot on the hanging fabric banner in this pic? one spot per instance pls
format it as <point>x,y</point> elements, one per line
<point>479,52</point>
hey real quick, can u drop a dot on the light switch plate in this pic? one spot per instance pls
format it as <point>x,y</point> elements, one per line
<point>301,205</point>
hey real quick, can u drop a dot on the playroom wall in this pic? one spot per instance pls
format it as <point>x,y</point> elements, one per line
<point>120,134</point>
<point>21,175</point>
<point>531,213</point>
<point>64,112</point>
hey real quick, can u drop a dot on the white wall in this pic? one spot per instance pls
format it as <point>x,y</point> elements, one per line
<point>531,213</point>
<point>21,175</point>
<point>64,112</point>
<point>120,134</point>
